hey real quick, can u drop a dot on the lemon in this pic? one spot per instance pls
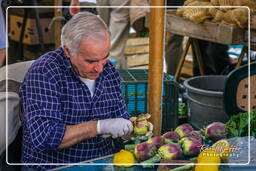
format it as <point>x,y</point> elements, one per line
<point>222,147</point>
<point>207,168</point>
<point>208,156</point>
<point>124,156</point>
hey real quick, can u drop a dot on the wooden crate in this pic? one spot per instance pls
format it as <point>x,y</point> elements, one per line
<point>137,55</point>
<point>137,52</point>
<point>31,35</point>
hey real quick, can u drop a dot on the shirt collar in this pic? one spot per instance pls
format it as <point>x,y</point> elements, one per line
<point>65,59</point>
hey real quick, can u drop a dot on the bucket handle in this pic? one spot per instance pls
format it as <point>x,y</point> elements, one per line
<point>202,104</point>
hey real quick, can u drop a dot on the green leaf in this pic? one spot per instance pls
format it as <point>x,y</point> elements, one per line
<point>238,124</point>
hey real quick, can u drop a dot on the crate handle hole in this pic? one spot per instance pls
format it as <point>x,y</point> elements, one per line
<point>19,24</point>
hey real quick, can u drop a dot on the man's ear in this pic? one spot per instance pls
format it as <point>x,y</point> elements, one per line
<point>67,52</point>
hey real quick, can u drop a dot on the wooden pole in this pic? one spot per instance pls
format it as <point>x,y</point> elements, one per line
<point>156,38</point>
<point>57,25</point>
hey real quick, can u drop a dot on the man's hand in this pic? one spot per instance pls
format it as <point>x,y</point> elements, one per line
<point>117,127</point>
<point>73,11</point>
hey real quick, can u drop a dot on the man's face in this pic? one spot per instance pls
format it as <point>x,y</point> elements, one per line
<point>91,58</point>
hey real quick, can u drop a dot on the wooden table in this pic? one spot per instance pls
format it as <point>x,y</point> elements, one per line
<point>213,32</point>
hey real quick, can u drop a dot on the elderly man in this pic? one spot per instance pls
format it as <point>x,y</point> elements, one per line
<point>72,98</point>
<point>118,22</point>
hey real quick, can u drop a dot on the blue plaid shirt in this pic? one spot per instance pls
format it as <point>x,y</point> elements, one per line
<point>53,96</point>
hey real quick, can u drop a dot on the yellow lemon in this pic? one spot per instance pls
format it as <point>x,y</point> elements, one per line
<point>222,147</point>
<point>207,168</point>
<point>208,156</point>
<point>124,156</point>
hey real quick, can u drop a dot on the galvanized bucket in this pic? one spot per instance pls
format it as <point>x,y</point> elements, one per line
<point>205,100</point>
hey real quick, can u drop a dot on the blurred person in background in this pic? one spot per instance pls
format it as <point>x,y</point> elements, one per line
<point>214,55</point>
<point>215,58</point>
<point>174,46</point>
<point>3,44</point>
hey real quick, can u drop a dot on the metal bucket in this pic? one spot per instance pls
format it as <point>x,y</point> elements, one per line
<point>205,100</point>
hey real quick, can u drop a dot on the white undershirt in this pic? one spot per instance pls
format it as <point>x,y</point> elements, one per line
<point>90,84</point>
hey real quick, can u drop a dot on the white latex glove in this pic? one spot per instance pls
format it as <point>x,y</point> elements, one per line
<point>117,127</point>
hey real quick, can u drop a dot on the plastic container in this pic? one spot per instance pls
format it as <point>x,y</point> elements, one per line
<point>205,100</point>
<point>134,84</point>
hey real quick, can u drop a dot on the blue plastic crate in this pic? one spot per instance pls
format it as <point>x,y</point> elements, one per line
<point>135,95</point>
<point>134,83</point>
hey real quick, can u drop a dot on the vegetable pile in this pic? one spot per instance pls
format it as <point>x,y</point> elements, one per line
<point>186,142</point>
<point>183,141</point>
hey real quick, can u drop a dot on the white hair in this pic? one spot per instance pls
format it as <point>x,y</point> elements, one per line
<point>83,25</point>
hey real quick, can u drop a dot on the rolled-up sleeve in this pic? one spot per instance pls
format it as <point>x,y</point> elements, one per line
<point>42,108</point>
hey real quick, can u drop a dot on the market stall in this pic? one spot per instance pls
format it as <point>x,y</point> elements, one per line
<point>216,135</point>
<point>227,142</point>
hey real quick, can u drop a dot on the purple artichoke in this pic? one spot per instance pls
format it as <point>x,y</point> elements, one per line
<point>170,152</point>
<point>172,135</point>
<point>144,151</point>
<point>156,141</point>
<point>184,129</point>
<point>190,146</point>
<point>216,131</point>
<point>140,128</point>
<point>196,135</point>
